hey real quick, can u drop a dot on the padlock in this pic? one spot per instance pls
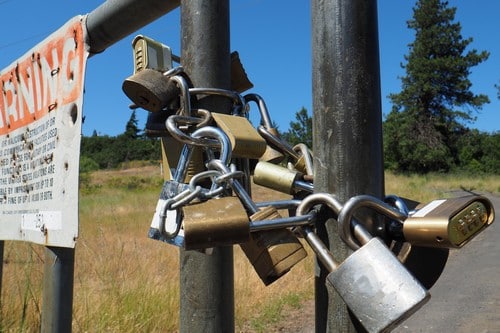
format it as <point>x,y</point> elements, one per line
<point>167,221</point>
<point>215,222</point>
<point>274,252</point>
<point>245,140</point>
<point>279,178</point>
<point>449,223</point>
<point>150,54</point>
<point>270,155</point>
<point>376,287</point>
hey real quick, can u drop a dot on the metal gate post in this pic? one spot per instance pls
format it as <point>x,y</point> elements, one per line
<point>57,295</point>
<point>206,281</point>
<point>347,123</point>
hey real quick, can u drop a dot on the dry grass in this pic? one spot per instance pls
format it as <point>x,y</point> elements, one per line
<point>125,282</point>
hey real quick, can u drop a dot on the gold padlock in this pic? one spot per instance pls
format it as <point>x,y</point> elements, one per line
<point>449,223</point>
<point>272,253</point>
<point>216,222</point>
<point>275,177</point>
<point>245,140</point>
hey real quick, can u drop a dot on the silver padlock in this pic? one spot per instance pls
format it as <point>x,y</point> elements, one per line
<point>375,286</point>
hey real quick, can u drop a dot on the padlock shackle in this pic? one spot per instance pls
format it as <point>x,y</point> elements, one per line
<point>276,142</point>
<point>173,121</point>
<point>265,118</point>
<point>283,222</point>
<point>345,218</point>
<point>319,198</point>
<point>218,134</point>
<point>306,153</point>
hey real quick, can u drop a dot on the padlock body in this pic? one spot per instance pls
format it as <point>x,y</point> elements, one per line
<point>449,223</point>
<point>275,177</point>
<point>245,140</point>
<point>274,252</point>
<point>377,288</point>
<point>216,222</point>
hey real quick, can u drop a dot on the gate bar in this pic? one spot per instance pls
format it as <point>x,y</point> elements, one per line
<point>116,19</point>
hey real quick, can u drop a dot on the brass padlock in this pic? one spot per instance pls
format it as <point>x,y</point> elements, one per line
<point>151,54</point>
<point>216,222</point>
<point>449,223</point>
<point>245,140</point>
<point>279,178</point>
<point>272,253</point>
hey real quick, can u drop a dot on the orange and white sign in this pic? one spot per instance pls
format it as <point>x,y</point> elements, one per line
<point>40,128</point>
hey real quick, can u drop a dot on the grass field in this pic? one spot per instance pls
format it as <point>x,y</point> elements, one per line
<point>125,282</point>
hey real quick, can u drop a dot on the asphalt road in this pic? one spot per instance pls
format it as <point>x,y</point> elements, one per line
<point>466,298</point>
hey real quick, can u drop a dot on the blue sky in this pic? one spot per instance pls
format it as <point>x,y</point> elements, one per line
<point>273,40</point>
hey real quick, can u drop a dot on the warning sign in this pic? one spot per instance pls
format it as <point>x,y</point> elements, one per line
<point>40,128</point>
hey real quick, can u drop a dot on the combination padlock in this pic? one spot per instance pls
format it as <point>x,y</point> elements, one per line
<point>376,287</point>
<point>273,252</point>
<point>448,223</point>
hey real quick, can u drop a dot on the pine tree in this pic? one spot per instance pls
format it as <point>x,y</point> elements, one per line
<point>131,128</point>
<point>436,103</point>
<point>301,130</point>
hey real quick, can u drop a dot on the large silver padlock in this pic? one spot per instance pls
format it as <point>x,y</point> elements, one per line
<point>376,287</point>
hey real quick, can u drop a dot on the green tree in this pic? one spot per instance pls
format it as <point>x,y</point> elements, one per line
<point>431,112</point>
<point>131,128</point>
<point>300,130</point>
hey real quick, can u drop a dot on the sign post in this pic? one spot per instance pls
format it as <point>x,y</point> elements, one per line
<point>40,131</point>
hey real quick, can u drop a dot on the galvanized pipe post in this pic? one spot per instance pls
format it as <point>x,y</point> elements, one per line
<point>347,123</point>
<point>116,19</point>
<point>57,295</point>
<point>206,281</point>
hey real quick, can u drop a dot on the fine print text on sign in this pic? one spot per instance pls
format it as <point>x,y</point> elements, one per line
<point>40,128</point>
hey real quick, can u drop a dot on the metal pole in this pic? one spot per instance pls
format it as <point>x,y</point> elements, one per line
<point>2,245</point>
<point>206,281</point>
<point>116,19</point>
<point>57,295</point>
<point>347,125</point>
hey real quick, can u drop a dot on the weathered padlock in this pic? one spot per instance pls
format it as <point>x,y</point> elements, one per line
<point>245,140</point>
<point>270,155</point>
<point>279,178</point>
<point>215,222</point>
<point>449,223</point>
<point>376,287</point>
<point>274,252</point>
